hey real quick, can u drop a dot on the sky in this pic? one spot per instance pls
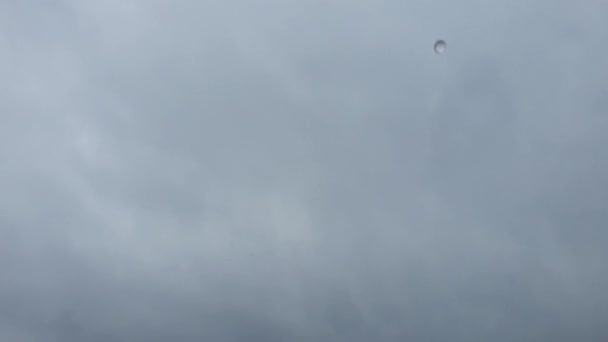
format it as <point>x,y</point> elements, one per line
<point>287,170</point>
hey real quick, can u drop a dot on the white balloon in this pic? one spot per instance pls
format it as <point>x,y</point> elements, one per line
<point>440,46</point>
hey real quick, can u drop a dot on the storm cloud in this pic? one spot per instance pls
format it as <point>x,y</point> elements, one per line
<point>303,170</point>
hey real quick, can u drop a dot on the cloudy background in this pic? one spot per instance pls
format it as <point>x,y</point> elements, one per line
<point>287,170</point>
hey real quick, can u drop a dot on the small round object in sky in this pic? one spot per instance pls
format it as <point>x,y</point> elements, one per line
<point>440,46</point>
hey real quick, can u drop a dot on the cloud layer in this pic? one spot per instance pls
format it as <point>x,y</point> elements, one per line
<point>303,171</point>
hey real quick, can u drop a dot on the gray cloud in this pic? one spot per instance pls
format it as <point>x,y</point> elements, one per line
<point>302,171</point>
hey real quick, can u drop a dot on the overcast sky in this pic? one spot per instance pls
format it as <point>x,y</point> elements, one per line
<point>309,170</point>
